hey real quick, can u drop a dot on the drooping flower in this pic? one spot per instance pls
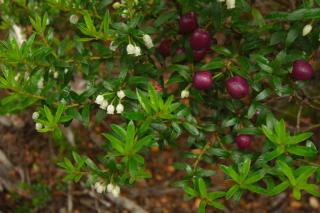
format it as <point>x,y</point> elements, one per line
<point>148,41</point>
<point>119,108</point>
<point>231,4</point>
<point>38,126</point>
<point>100,187</point>
<point>307,29</point>
<point>35,115</point>
<point>99,99</point>
<point>131,49</point>
<point>185,93</point>
<point>110,109</point>
<point>121,94</point>
<point>73,19</point>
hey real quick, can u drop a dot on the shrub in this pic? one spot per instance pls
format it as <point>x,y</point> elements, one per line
<point>204,70</point>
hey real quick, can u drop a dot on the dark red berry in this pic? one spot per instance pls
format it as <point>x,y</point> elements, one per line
<point>198,55</point>
<point>202,80</point>
<point>200,40</point>
<point>302,70</point>
<point>244,141</point>
<point>237,87</point>
<point>165,47</point>
<point>188,23</point>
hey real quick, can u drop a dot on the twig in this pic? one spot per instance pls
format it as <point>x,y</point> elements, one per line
<point>299,118</point>
<point>70,198</point>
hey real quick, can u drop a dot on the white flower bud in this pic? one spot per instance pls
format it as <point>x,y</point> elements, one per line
<point>40,83</point>
<point>100,187</point>
<point>121,94</point>
<point>131,49</point>
<point>231,4</point>
<point>38,126</point>
<point>113,46</point>
<point>110,109</point>
<point>306,30</point>
<point>104,105</point>
<point>16,78</point>
<point>66,70</point>
<point>116,191</point>
<point>147,41</point>
<point>119,108</point>
<point>137,51</point>
<point>117,5</point>
<point>55,75</point>
<point>35,115</point>
<point>99,99</point>
<point>73,19</point>
<point>110,187</point>
<point>185,94</point>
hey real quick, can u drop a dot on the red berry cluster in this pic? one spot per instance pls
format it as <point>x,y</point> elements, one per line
<point>237,86</point>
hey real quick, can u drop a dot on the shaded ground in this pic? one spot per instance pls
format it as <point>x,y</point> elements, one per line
<point>35,155</point>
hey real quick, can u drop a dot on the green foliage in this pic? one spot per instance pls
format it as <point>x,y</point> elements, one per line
<point>71,41</point>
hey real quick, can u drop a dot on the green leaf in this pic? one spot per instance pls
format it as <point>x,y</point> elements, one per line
<point>249,131</point>
<point>130,133</point>
<point>202,207</point>
<point>144,102</point>
<point>245,169</point>
<point>59,112</point>
<point>306,173</point>
<point>279,188</point>
<point>190,191</point>
<point>215,63</point>
<point>299,138</point>
<point>48,114</point>
<point>164,18</point>
<point>122,133</point>
<point>222,50</point>
<point>202,187</point>
<point>191,128</point>
<point>231,173</point>
<point>215,195</point>
<point>255,177</point>
<point>287,171</point>
<point>115,143</point>
<point>292,35</point>
<point>302,151</point>
<point>85,115</point>
<point>232,191</point>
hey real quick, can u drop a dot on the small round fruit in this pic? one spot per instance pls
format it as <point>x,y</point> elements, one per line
<point>188,23</point>
<point>200,40</point>
<point>237,87</point>
<point>198,55</point>
<point>202,80</point>
<point>165,47</point>
<point>302,70</point>
<point>244,141</point>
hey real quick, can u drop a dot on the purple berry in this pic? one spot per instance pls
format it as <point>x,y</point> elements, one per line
<point>165,47</point>
<point>202,80</point>
<point>188,23</point>
<point>244,141</point>
<point>198,55</point>
<point>200,40</point>
<point>302,70</point>
<point>237,87</point>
